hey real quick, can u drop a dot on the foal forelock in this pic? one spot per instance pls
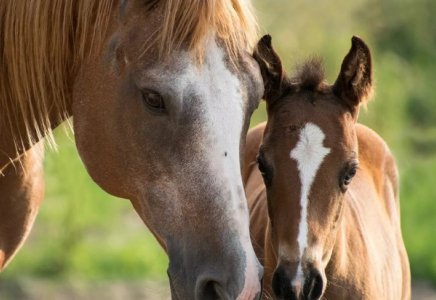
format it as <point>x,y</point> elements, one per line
<point>309,153</point>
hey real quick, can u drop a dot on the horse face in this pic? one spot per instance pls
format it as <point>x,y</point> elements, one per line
<point>308,158</point>
<point>168,135</point>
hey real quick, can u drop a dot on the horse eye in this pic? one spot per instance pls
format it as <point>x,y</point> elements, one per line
<point>153,101</point>
<point>264,170</point>
<point>350,175</point>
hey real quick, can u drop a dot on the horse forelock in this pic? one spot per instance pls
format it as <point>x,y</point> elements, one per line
<point>191,22</point>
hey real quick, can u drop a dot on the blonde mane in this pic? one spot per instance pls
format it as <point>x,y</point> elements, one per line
<point>44,42</point>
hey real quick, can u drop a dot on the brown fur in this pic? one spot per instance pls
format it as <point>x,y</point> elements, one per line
<point>354,238</point>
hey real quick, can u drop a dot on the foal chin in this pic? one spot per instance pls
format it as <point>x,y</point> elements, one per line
<point>301,278</point>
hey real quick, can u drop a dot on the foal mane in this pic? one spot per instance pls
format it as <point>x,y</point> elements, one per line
<point>44,42</point>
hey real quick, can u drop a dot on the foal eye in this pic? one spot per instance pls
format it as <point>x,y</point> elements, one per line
<point>153,101</point>
<point>261,166</point>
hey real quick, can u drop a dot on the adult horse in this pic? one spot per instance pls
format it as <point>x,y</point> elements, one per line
<point>325,217</point>
<point>161,92</point>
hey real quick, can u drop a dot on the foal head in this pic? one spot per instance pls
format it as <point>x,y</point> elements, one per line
<point>164,126</point>
<point>308,157</point>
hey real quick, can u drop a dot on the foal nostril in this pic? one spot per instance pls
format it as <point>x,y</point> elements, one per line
<point>314,285</point>
<point>281,285</point>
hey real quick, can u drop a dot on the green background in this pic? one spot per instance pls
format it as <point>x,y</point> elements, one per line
<point>82,234</point>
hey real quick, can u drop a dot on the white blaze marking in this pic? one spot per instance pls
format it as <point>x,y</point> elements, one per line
<point>225,122</point>
<point>222,108</point>
<point>223,119</point>
<point>309,154</point>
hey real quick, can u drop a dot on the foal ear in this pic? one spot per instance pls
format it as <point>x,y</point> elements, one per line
<point>354,84</point>
<point>274,76</point>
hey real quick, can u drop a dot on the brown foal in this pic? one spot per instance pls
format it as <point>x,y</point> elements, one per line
<point>323,190</point>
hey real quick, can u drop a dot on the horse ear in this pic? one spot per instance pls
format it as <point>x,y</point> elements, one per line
<point>354,84</point>
<point>273,74</point>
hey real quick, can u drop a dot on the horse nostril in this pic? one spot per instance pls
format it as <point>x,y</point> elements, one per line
<point>209,291</point>
<point>213,290</point>
<point>261,288</point>
<point>314,286</point>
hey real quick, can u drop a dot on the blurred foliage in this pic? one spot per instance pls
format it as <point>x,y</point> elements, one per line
<point>83,232</point>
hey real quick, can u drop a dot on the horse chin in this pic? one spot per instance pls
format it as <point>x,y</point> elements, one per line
<point>174,295</point>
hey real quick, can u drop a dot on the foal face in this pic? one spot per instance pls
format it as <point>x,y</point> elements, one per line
<point>308,158</point>
<point>168,135</point>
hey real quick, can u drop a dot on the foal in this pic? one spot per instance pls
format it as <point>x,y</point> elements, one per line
<point>325,219</point>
